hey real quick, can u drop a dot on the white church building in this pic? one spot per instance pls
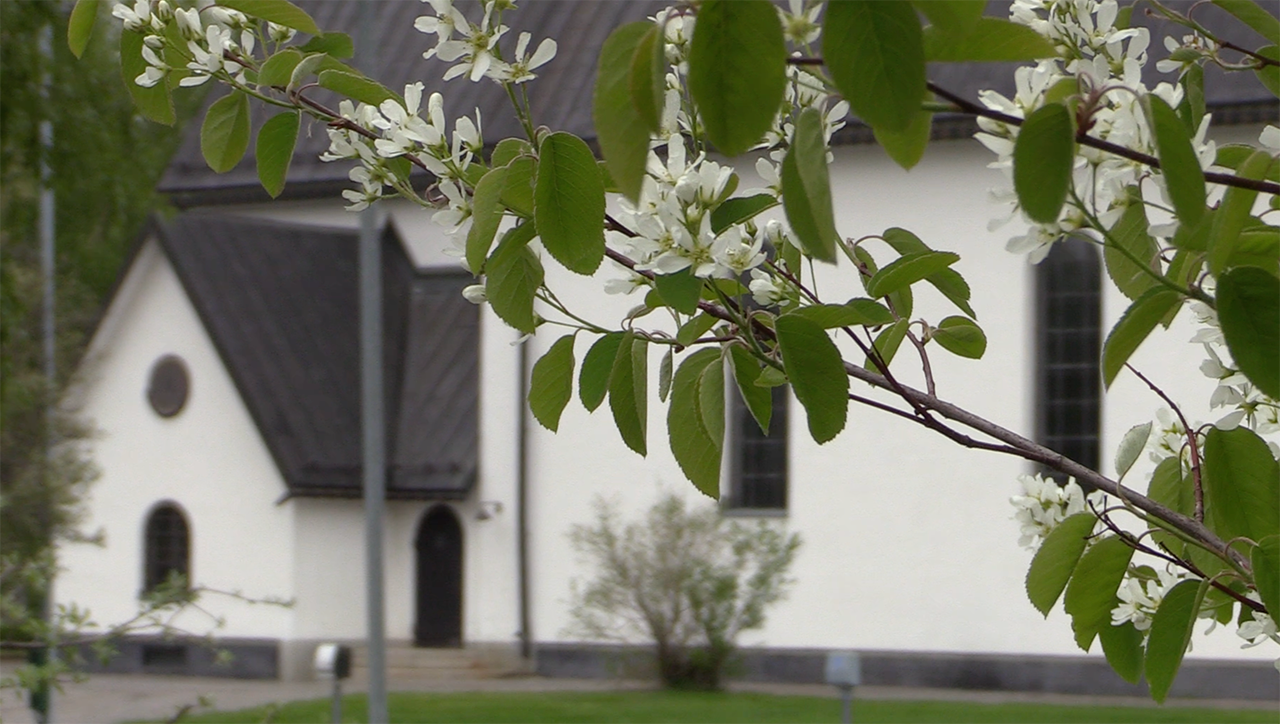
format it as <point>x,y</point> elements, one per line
<point>224,380</point>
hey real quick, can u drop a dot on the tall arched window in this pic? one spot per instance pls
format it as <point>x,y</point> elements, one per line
<point>167,546</point>
<point>1068,349</point>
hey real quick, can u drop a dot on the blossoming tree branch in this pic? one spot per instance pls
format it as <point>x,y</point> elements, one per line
<point>1088,151</point>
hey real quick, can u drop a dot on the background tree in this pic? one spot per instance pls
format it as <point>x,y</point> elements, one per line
<point>684,579</point>
<point>104,165</point>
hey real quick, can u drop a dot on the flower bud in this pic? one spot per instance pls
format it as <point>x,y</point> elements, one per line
<point>280,33</point>
<point>475,294</point>
<point>154,42</point>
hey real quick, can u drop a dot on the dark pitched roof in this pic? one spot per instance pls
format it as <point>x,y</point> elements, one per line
<point>561,97</point>
<point>280,303</point>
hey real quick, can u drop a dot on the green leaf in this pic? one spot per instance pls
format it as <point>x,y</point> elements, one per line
<point>1249,312</point>
<point>309,65</point>
<point>629,391</point>
<point>746,372</point>
<point>771,377</point>
<point>518,195</point>
<point>664,373</point>
<point>806,188</point>
<point>952,15</point>
<point>154,103</point>
<point>1171,488</point>
<point>486,215</point>
<point>1043,157</point>
<point>738,210</point>
<point>737,71</point>
<point>224,137</point>
<point>681,290</point>
<point>1130,234</point>
<point>1269,75</point>
<point>507,150</point>
<point>280,12</point>
<point>569,203</point>
<point>647,81</point>
<point>853,313</point>
<point>907,270</point>
<point>1183,176</point>
<point>1171,629</point>
<point>694,450</point>
<point>1260,247</point>
<point>1122,646</point>
<point>991,39</point>
<point>961,336</point>
<point>1091,594</point>
<point>711,399</point>
<point>274,150</point>
<point>597,367</point>
<point>1266,572</point>
<point>886,345</point>
<point>1135,324</point>
<point>875,53</point>
<point>1191,110</point>
<point>1056,560</point>
<point>513,275</point>
<point>1252,14</point>
<point>816,370</point>
<point>338,45</point>
<point>620,129</point>
<point>551,383</point>
<point>1131,446</point>
<point>947,281</point>
<point>694,328</point>
<point>278,69</point>
<point>906,147</point>
<point>1241,484</point>
<point>1233,212</point>
<point>80,25</point>
<point>356,87</point>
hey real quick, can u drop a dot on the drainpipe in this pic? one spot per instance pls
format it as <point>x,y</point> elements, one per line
<point>522,506</point>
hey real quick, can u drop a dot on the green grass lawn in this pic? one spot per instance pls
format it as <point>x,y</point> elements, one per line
<point>706,708</point>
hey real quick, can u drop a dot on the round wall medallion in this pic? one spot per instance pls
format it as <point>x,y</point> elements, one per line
<point>169,386</point>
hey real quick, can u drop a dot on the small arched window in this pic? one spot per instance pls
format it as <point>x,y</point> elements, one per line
<point>167,546</point>
<point>1068,351</point>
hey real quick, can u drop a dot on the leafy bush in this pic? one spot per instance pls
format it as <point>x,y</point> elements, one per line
<point>684,578</point>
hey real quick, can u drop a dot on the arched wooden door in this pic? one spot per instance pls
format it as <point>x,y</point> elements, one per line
<point>439,585</point>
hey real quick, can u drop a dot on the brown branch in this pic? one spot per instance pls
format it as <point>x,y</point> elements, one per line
<point>1014,443</point>
<point>1226,179</point>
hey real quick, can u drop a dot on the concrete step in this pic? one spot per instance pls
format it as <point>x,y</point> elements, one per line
<point>410,662</point>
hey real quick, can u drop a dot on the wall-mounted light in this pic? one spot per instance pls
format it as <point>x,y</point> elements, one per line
<point>488,509</point>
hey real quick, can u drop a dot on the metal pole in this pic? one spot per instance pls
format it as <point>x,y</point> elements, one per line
<point>336,709</point>
<point>846,713</point>
<point>42,698</point>
<point>373,424</point>
<point>373,417</point>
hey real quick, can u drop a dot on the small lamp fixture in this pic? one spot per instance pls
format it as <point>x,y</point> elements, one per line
<point>488,509</point>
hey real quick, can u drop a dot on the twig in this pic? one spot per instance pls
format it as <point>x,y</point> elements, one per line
<point>1191,442</point>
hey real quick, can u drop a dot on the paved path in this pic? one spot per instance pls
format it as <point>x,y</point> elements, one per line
<point>107,698</point>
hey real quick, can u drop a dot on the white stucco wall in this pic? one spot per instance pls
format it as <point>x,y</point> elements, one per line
<point>208,459</point>
<point>909,542</point>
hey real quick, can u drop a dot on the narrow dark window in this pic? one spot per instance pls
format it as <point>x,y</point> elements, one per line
<point>167,547</point>
<point>1069,331</point>
<point>758,467</point>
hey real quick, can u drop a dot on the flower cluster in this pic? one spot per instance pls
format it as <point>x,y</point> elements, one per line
<point>404,131</point>
<point>217,41</point>
<point>1140,598</point>
<point>672,218</point>
<point>1247,405</point>
<point>1103,65</point>
<point>1044,504</point>
<point>473,48</point>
